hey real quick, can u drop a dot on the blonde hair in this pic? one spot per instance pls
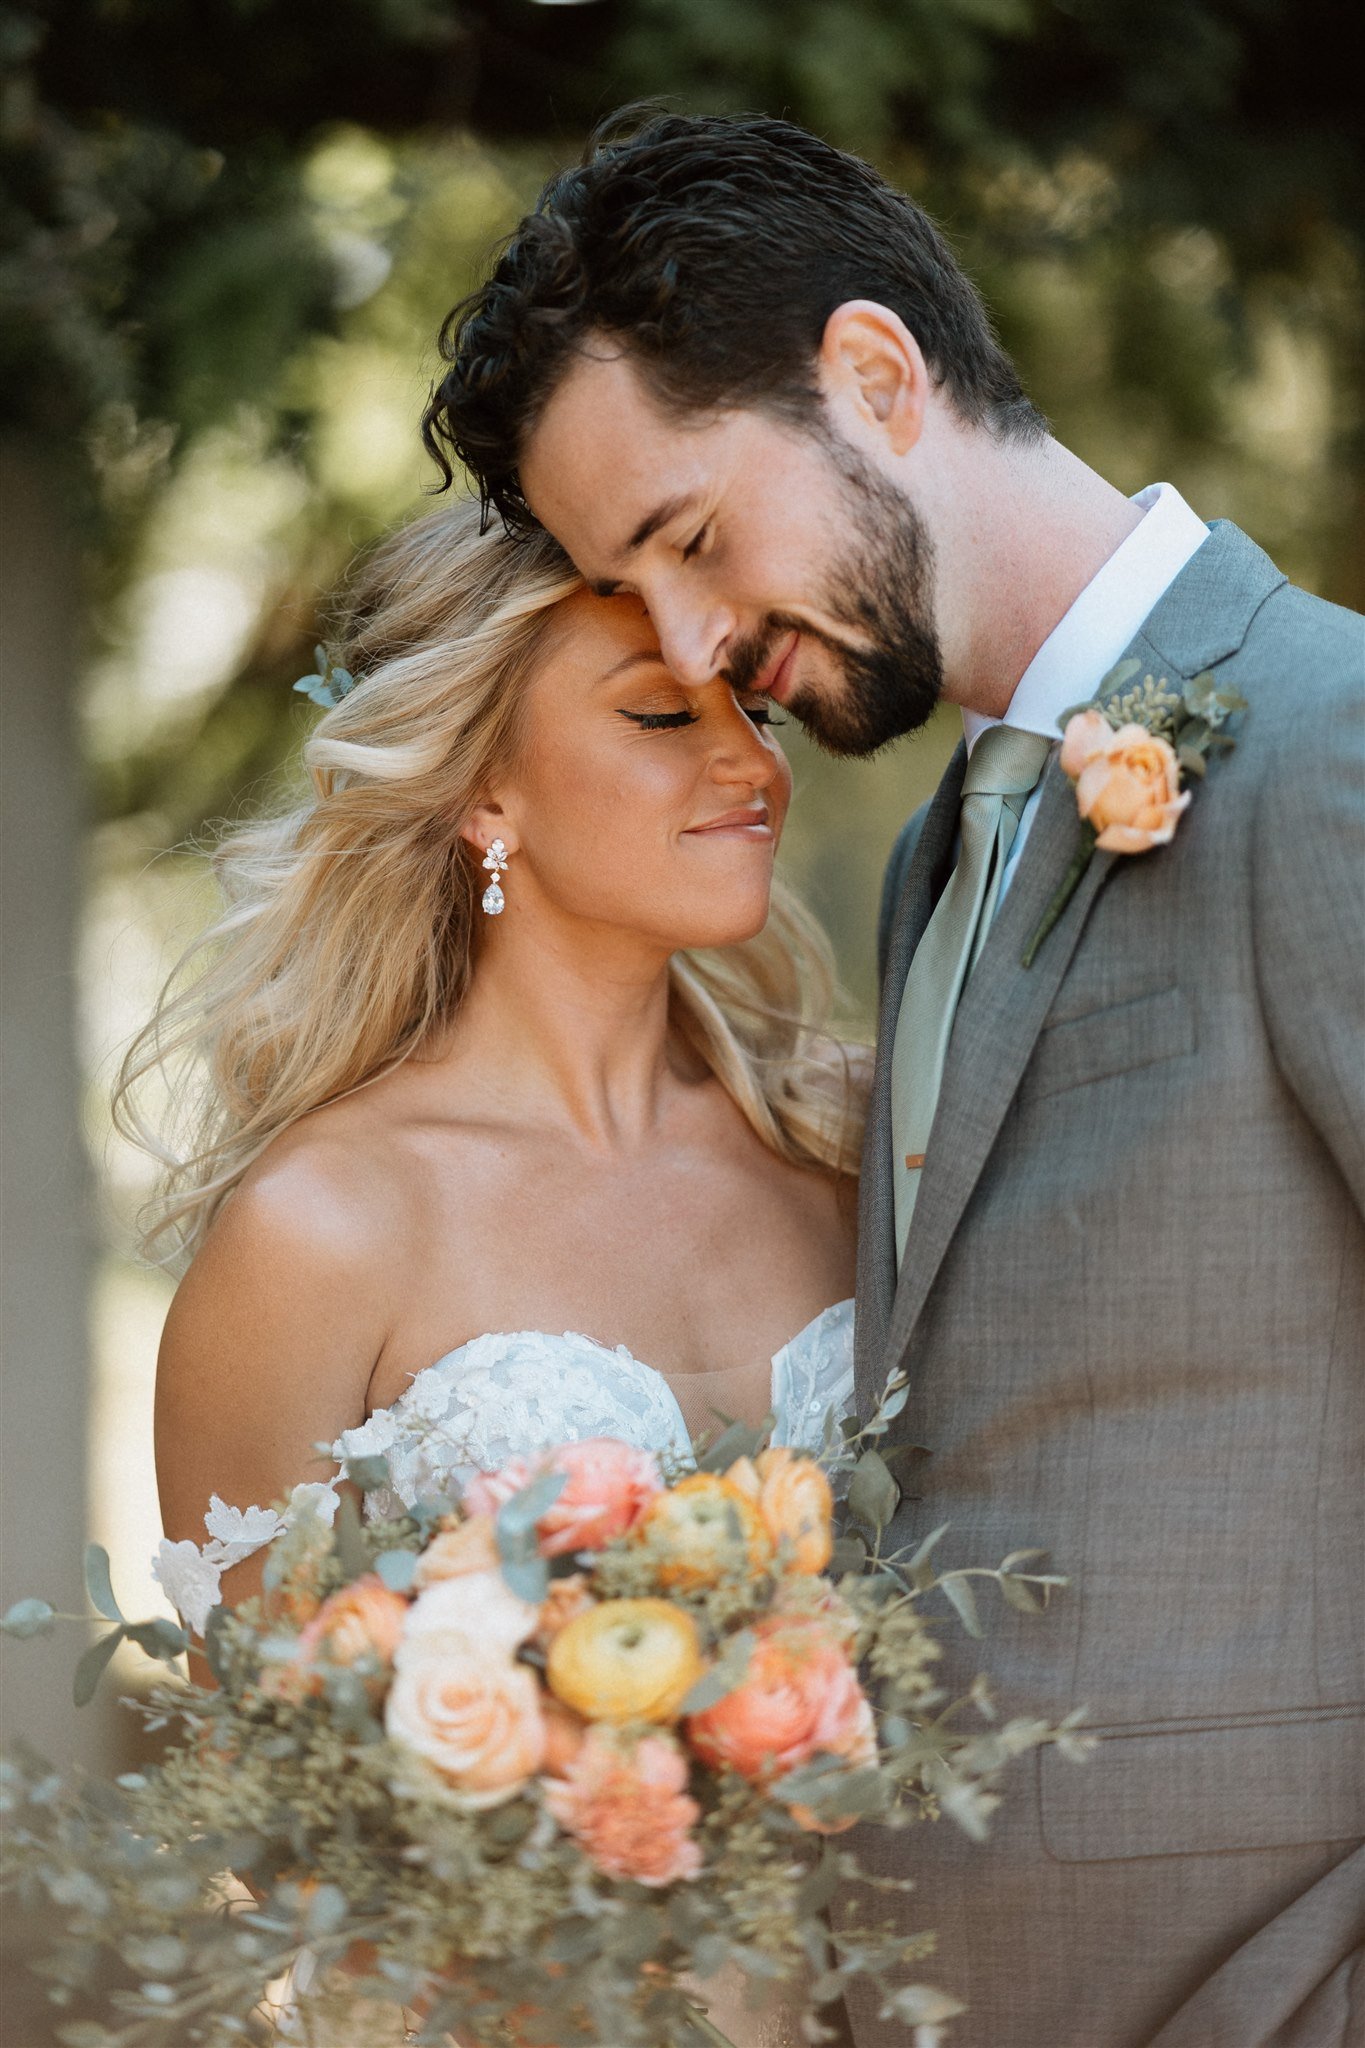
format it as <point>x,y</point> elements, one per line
<point>346,938</point>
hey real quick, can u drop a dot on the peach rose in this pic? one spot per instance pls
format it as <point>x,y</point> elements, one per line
<point>800,1697</point>
<point>794,1503</point>
<point>703,1528</point>
<point>478,1607</point>
<point>470,1546</point>
<point>1127,783</point>
<point>609,1486</point>
<point>627,1803</point>
<point>475,1716</point>
<point>626,1660</point>
<point>364,1620</point>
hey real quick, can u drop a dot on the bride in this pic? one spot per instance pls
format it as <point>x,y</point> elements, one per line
<point>517,1118</point>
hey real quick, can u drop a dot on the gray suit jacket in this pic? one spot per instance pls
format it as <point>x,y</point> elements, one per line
<point>1133,1310</point>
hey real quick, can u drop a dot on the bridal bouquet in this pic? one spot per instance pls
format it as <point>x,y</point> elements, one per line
<point>532,1763</point>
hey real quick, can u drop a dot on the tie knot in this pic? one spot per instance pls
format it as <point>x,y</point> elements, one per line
<point>1006,762</point>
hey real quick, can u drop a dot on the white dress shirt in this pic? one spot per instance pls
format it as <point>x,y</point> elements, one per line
<point>1089,638</point>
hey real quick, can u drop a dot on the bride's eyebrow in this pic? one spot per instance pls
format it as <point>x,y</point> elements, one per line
<point>642,658</point>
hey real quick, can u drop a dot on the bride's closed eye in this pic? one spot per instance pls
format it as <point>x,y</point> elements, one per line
<point>759,713</point>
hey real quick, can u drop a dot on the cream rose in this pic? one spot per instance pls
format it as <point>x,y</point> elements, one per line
<point>478,1607</point>
<point>474,1716</point>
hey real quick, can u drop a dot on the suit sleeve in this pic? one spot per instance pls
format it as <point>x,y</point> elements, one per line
<point>1309,895</point>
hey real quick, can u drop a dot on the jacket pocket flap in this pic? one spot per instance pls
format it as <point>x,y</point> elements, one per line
<point>1110,1041</point>
<point>1195,1791</point>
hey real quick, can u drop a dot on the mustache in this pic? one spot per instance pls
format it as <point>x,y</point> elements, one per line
<point>750,656</point>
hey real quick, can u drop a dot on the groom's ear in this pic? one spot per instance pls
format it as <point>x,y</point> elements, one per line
<point>873,376</point>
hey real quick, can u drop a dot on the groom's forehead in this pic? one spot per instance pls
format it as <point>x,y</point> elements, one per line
<point>606,459</point>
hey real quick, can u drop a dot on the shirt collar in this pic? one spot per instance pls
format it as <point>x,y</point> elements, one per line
<point>1091,636</point>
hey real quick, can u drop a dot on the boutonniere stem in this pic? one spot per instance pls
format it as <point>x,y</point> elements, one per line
<point>1128,752</point>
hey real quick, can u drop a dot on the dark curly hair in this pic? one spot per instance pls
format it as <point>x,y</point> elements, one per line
<point>713,249</point>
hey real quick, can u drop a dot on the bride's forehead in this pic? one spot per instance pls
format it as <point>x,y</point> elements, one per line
<point>594,633</point>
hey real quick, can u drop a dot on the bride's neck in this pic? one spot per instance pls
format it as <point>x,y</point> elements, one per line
<point>567,1027</point>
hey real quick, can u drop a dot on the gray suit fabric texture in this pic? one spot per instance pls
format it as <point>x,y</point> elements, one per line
<point>1132,1308</point>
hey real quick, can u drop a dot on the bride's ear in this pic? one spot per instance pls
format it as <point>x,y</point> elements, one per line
<point>487,822</point>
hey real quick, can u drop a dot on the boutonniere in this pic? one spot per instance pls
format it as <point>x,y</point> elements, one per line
<point>1128,752</point>
<point>328,683</point>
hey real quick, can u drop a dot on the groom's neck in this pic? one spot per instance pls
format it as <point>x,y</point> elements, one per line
<point>1020,532</point>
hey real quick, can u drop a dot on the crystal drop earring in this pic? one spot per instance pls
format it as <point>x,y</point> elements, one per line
<point>495,861</point>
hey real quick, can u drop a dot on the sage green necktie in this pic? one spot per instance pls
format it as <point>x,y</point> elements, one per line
<point>1003,769</point>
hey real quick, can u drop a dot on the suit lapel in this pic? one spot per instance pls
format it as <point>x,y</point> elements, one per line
<point>1002,1011</point>
<point>924,878</point>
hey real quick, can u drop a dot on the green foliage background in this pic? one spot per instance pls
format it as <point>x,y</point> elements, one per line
<point>231,230</point>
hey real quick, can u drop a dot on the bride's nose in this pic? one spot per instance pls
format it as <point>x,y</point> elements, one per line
<point>740,753</point>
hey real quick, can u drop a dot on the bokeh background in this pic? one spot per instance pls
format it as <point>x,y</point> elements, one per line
<point>231,229</point>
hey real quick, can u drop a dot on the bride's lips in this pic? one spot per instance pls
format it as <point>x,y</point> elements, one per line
<point>776,678</point>
<point>749,821</point>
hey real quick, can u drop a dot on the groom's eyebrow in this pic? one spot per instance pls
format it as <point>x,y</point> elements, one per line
<point>662,515</point>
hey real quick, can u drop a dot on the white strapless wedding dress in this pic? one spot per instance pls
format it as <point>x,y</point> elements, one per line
<point>515,1393</point>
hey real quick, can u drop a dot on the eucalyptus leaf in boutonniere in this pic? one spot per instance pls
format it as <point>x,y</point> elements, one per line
<point>1128,752</point>
<point>328,682</point>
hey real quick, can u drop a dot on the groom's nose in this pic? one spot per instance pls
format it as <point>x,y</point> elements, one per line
<point>693,636</point>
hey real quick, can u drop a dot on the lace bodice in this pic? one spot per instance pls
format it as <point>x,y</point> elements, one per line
<point>507,1394</point>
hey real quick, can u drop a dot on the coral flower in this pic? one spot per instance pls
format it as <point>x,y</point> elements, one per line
<point>609,1485</point>
<point>799,1698</point>
<point>362,1621</point>
<point>626,1660</point>
<point>704,1529</point>
<point>1127,782</point>
<point>627,1803</point>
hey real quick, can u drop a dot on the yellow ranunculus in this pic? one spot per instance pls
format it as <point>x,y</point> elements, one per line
<point>704,1527</point>
<point>626,1660</point>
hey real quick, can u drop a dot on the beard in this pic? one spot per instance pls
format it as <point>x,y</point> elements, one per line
<point>881,587</point>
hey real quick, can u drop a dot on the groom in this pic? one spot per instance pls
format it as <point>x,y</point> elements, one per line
<point>1112,1201</point>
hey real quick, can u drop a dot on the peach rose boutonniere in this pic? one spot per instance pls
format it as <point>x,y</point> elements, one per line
<point>1128,753</point>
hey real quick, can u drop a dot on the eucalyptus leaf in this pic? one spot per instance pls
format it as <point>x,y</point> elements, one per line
<point>930,1543</point>
<point>959,1591</point>
<point>1017,1593</point>
<point>729,1670</point>
<point>1192,761</point>
<point>28,1618</point>
<point>91,1667</point>
<point>349,1544</point>
<point>369,1474</point>
<point>873,1496</point>
<point>819,1887</point>
<point>528,1577</point>
<point>398,1569</point>
<point>1121,673</point>
<point>327,1911</point>
<point>98,1583</point>
<point>736,1440</point>
<point>518,1516</point>
<point>158,1638</point>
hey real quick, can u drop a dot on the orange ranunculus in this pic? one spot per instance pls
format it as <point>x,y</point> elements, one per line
<point>467,1546</point>
<point>704,1528</point>
<point>473,1714</point>
<point>1127,783</point>
<point>627,1803</point>
<point>799,1697</point>
<point>794,1502</point>
<point>626,1660</point>
<point>609,1485</point>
